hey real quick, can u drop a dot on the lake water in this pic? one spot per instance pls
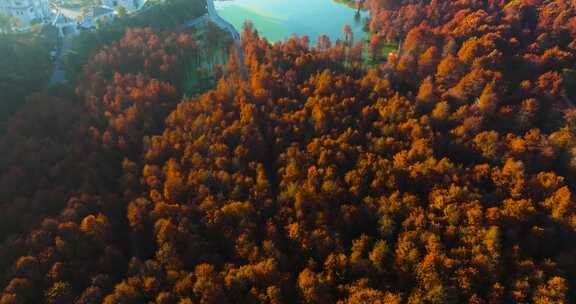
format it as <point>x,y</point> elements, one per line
<point>279,19</point>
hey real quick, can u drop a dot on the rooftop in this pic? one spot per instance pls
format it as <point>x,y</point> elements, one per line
<point>101,11</point>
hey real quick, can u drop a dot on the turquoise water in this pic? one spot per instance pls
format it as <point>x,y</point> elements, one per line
<point>279,19</point>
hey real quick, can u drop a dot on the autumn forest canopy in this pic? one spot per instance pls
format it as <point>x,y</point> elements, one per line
<point>441,171</point>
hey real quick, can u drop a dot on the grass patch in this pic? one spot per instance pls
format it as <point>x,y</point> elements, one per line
<point>383,52</point>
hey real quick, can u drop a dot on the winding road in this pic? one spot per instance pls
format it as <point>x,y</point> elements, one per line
<point>58,74</point>
<point>225,25</point>
<point>212,15</point>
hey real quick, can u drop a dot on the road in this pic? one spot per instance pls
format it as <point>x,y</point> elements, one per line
<point>223,24</point>
<point>198,20</point>
<point>213,16</point>
<point>58,74</point>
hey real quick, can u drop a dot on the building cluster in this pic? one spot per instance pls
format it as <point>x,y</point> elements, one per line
<point>26,11</point>
<point>66,16</point>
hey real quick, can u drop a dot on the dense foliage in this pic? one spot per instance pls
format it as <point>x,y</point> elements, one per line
<point>443,175</point>
<point>25,67</point>
<point>160,14</point>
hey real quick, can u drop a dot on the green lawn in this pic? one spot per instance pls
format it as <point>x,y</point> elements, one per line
<point>385,49</point>
<point>351,4</point>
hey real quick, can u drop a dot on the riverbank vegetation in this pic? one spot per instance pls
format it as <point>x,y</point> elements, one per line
<point>444,175</point>
<point>351,3</point>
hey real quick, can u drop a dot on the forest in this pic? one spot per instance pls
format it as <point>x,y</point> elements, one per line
<point>442,172</point>
<point>158,14</point>
<point>24,65</point>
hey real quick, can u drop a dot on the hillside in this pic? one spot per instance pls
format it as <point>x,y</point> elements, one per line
<point>443,173</point>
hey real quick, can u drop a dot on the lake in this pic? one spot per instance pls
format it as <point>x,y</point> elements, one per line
<point>279,19</point>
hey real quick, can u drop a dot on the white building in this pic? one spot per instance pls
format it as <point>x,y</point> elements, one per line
<point>129,5</point>
<point>97,13</point>
<point>66,25</point>
<point>71,19</point>
<point>26,10</point>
